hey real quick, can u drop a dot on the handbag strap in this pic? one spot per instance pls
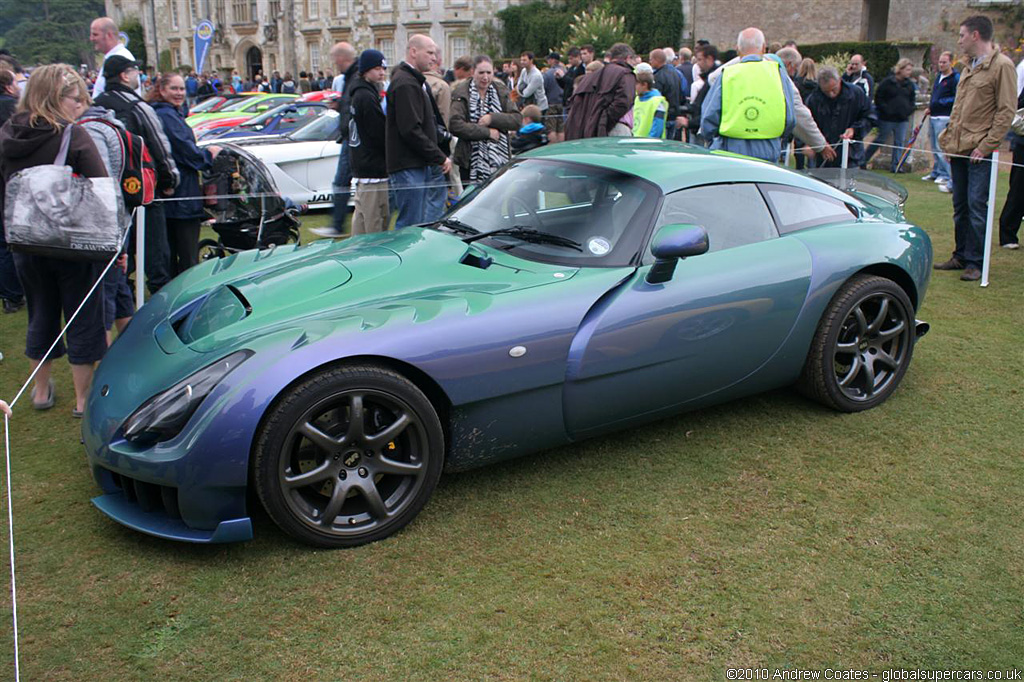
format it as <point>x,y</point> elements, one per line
<point>65,143</point>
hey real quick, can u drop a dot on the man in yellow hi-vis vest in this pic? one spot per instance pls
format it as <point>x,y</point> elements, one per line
<point>750,107</point>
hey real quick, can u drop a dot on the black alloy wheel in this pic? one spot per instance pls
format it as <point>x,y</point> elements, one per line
<point>348,456</point>
<point>209,249</point>
<point>862,347</point>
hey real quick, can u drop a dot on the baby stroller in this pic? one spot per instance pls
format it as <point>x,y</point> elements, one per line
<point>256,219</point>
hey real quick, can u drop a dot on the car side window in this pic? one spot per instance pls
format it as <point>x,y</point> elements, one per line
<point>733,214</point>
<point>797,209</point>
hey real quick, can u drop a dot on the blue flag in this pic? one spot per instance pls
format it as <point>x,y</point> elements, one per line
<point>204,36</point>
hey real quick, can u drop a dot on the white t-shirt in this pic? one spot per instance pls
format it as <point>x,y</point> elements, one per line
<point>101,82</point>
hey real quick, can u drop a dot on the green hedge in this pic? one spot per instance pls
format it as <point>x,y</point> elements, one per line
<point>539,26</point>
<point>880,56</point>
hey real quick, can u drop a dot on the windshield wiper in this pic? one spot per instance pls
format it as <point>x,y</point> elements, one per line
<point>456,225</point>
<point>527,234</point>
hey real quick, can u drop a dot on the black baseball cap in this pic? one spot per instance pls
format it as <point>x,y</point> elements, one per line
<point>115,65</point>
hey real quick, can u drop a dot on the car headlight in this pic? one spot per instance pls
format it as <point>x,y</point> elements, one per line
<point>164,415</point>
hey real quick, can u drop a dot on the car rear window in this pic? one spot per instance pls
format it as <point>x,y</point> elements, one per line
<point>798,209</point>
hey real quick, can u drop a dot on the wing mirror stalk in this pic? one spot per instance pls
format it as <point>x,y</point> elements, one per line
<point>671,244</point>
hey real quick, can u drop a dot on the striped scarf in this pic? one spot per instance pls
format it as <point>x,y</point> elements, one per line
<point>486,156</point>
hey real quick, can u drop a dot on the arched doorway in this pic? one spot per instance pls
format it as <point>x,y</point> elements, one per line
<point>253,62</point>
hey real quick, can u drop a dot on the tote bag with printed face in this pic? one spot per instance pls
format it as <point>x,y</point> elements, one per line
<point>52,212</point>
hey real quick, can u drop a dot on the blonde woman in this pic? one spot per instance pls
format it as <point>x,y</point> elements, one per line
<point>894,101</point>
<point>54,97</point>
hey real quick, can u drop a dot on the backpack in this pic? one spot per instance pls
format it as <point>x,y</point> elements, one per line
<point>138,172</point>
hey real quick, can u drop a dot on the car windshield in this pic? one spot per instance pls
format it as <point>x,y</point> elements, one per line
<point>322,129</point>
<point>239,105</point>
<point>605,211</point>
<point>208,105</point>
<point>297,115</point>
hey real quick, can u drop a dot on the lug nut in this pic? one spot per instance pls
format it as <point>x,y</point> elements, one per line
<point>368,453</point>
<point>363,472</point>
<point>342,475</point>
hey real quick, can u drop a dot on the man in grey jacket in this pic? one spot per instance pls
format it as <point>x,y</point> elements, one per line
<point>531,83</point>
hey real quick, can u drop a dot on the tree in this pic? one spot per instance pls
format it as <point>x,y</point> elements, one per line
<point>49,30</point>
<point>599,28</point>
<point>136,39</point>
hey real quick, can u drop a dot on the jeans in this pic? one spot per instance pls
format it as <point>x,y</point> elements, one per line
<point>419,195</point>
<point>936,124</point>
<point>886,129</point>
<point>342,186</point>
<point>970,208</point>
<point>10,286</point>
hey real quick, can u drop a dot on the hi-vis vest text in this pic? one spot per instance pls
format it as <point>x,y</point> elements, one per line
<point>644,113</point>
<point>753,102</point>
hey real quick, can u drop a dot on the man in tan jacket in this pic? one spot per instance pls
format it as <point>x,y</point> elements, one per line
<point>985,103</point>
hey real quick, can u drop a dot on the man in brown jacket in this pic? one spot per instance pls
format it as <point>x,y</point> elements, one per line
<point>602,99</point>
<point>985,104</point>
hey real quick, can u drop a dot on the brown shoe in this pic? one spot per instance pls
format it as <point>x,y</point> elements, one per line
<point>971,274</point>
<point>952,264</point>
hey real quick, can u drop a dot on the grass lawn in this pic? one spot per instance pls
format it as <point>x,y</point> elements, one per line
<point>768,532</point>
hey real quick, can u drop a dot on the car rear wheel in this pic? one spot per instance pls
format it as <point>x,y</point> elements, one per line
<point>210,248</point>
<point>862,347</point>
<point>348,456</point>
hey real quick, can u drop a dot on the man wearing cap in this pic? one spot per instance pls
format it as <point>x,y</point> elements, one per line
<point>104,37</point>
<point>367,131</point>
<point>121,76</point>
<point>553,90</point>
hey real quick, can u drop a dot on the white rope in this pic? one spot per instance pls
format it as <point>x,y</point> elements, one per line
<point>7,448</point>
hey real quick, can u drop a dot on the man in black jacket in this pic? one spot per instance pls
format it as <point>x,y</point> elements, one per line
<point>416,163</point>
<point>670,84</point>
<point>344,56</point>
<point>842,112</point>
<point>894,101</point>
<point>706,58</point>
<point>366,145</point>
<point>122,80</point>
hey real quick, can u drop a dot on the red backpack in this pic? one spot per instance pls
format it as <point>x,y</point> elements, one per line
<point>138,172</point>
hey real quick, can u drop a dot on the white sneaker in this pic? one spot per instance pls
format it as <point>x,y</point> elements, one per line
<point>1012,246</point>
<point>945,188</point>
<point>928,177</point>
<point>939,181</point>
<point>328,232</point>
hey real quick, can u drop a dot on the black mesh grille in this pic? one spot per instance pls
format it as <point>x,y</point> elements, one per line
<point>149,496</point>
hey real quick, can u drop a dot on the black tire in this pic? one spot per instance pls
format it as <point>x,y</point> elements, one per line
<point>209,249</point>
<point>332,481</point>
<point>863,345</point>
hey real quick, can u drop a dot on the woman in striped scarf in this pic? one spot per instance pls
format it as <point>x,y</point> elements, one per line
<point>482,115</point>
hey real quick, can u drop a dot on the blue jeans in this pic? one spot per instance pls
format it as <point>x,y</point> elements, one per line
<point>419,195</point>
<point>10,286</point>
<point>886,129</point>
<point>970,208</point>
<point>935,126</point>
<point>342,186</point>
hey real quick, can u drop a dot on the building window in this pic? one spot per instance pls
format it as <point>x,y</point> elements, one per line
<point>459,48</point>
<point>384,5</point>
<point>339,8</point>
<point>273,9</point>
<point>220,12</point>
<point>420,4</point>
<point>193,6</point>
<point>314,56</point>
<point>387,48</point>
<point>240,10</point>
<point>456,3</point>
<point>174,14</point>
<point>312,9</point>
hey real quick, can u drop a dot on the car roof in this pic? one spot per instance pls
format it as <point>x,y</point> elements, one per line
<point>675,165</point>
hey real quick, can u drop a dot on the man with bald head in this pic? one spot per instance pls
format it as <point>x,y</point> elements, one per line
<point>105,38</point>
<point>344,57</point>
<point>750,106</point>
<point>669,83</point>
<point>418,143</point>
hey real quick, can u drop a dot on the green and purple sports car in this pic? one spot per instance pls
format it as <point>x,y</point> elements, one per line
<point>587,287</point>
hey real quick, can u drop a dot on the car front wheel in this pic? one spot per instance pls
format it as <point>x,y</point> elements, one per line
<point>862,347</point>
<point>348,456</point>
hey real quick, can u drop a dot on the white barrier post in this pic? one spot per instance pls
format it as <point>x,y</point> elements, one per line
<point>140,257</point>
<point>989,218</point>
<point>846,162</point>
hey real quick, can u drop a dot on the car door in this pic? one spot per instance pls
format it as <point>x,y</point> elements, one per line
<point>650,349</point>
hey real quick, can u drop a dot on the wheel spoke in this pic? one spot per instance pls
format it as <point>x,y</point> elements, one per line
<point>869,377</point>
<point>311,477</point>
<point>883,312</point>
<point>862,321</point>
<point>890,334</point>
<point>855,368</point>
<point>390,466</point>
<point>391,432</point>
<point>355,419</point>
<point>374,500</point>
<point>333,508</point>
<point>886,360</point>
<point>850,347</point>
<point>319,438</point>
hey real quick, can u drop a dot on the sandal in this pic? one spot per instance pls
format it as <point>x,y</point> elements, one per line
<point>77,414</point>
<point>50,400</point>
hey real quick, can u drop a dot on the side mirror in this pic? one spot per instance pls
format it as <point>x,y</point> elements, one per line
<point>670,244</point>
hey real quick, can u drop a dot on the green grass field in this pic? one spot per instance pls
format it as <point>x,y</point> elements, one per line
<point>765,533</point>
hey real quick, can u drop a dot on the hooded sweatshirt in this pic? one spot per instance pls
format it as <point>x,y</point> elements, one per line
<point>23,146</point>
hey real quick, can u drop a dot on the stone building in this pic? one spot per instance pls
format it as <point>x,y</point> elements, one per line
<point>929,21</point>
<point>296,35</point>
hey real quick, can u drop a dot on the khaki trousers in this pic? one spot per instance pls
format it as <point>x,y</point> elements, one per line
<point>371,214</point>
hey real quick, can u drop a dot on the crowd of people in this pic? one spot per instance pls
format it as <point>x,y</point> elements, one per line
<point>412,135</point>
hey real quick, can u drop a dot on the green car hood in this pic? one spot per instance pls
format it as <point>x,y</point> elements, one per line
<point>412,275</point>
